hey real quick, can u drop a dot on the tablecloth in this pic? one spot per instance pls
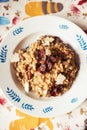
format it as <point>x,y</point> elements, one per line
<point>11,13</point>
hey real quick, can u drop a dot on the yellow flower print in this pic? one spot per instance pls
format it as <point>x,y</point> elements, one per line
<point>27,122</point>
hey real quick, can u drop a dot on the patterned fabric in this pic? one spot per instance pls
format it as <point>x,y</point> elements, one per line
<point>14,11</point>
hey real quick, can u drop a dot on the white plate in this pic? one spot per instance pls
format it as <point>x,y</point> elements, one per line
<point>21,36</point>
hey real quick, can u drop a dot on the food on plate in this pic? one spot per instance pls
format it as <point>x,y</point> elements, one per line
<point>48,67</point>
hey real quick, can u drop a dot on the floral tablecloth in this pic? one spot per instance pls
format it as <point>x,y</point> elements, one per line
<point>11,13</point>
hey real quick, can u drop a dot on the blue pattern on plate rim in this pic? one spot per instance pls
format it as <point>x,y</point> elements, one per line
<point>48,109</point>
<point>81,41</point>
<point>63,26</point>
<point>13,95</point>
<point>17,31</point>
<point>27,106</point>
<point>73,100</point>
<point>3,54</point>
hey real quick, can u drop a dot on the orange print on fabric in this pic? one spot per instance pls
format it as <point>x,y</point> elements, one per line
<point>27,122</point>
<point>42,8</point>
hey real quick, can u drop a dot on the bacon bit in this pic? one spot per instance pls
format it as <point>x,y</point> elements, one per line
<point>75,10</point>
<point>29,75</point>
<point>82,2</point>
<point>2,101</point>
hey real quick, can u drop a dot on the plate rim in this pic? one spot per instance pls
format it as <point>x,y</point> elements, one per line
<point>22,23</point>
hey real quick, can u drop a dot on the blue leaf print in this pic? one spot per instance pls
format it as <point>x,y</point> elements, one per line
<point>74,100</point>
<point>82,42</point>
<point>4,20</point>
<point>13,95</point>
<point>47,109</point>
<point>27,106</point>
<point>3,54</point>
<point>18,31</point>
<point>63,26</point>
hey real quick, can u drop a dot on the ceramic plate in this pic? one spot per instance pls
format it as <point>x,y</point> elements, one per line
<point>20,36</point>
